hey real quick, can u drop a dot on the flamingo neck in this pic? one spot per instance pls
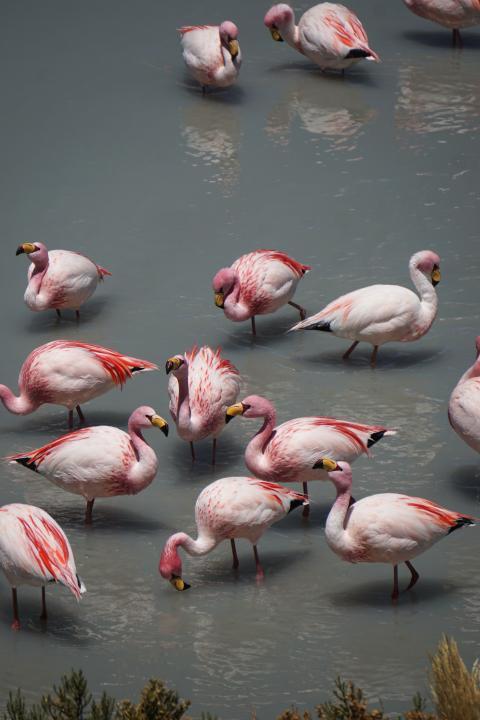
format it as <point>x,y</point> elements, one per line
<point>289,32</point>
<point>233,308</point>
<point>143,471</point>
<point>21,405</point>
<point>40,268</point>
<point>428,297</point>
<point>472,372</point>
<point>201,546</point>
<point>183,408</point>
<point>254,454</point>
<point>336,533</point>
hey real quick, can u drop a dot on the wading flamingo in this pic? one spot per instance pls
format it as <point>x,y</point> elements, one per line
<point>464,405</point>
<point>378,314</point>
<point>65,372</point>
<point>99,461</point>
<point>212,53</point>
<point>233,507</point>
<point>201,386</point>
<point>330,35</point>
<point>59,279</point>
<point>385,528</point>
<point>34,550</point>
<point>258,283</point>
<point>291,451</point>
<point>452,14</point>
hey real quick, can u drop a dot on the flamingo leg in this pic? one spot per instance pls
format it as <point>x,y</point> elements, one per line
<point>70,419</point>
<point>260,574</point>
<point>306,508</point>
<point>373,359</point>
<point>395,583</point>
<point>214,451</point>
<point>301,310</point>
<point>352,347</point>
<point>44,615</point>
<point>254,330</point>
<point>413,573</point>
<point>89,512</point>
<point>80,414</point>
<point>192,451</point>
<point>204,90</point>
<point>234,553</point>
<point>59,314</point>
<point>16,617</point>
<point>77,315</point>
<point>456,38</point>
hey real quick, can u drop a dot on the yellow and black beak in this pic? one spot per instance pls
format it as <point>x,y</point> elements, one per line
<point>26,248</point>
<point>159,422</point>
<point>436,275</point>
<point>275,34</point>
<point>327,464</point>
<point>178,583</point>
<point>233,48</point>
<point>233,410</point>
<point>173,364</point>
<point>219,299</point>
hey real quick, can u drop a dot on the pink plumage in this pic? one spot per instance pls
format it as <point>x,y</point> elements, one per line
<point>212,53</point>
<point>452,15</point>
<point>464,404</point>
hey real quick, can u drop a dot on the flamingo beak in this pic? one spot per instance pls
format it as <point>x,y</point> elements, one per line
<point>26,248</point>
<point>178,583</point>
<point>233,48</point>
<point>219,299</point>
<point>233,410</point>
<point>275,34</point>
<point>173,364</point>
<point>436,275</point>
<point>327,464</point>
<point>159,422</point>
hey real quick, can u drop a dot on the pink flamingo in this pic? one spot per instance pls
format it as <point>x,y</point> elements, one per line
<point>65,372</point>
<point>378,314</point>
<point>34,550</point>
<point>201,387</point>
<point>233,507</point>
<point>59,279</point>
<point>464,405</point>
<point>212,53</point>
<point>99,461</point>
<point>385,528</point>
<point>330,35</point>
<point>291,452</point>
<point>454,14</point>
<point>258,283</point>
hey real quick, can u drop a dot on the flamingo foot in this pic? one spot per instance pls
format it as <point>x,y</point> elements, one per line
<point>352,347</point>
<point>15,625</point>
<point>16,617</point>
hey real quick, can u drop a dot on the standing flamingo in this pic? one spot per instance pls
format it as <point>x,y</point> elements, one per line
<point>66,372</point>
<point>292,451</point>
<point>378,314</point>
<point>464,405</point>
<point>201,387</point>
<point>212,53</point>
<point>59,279</point>
<point>34,550</point>
<point>385,528</point>
<point>330,35</point>
<point>99,461</point>
<point>258,283</point>
<point>233,507</point>
<point>452,14</point>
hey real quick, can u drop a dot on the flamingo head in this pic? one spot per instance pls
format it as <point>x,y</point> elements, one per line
<point>176,364</point>
<point>170,565</point>
<point>277,18</point>
<point>428,262</point>
<point>252,406</point>
<point>339,473</point>
<point>223,283</point>
<point>145,417</point>
<point>37,251</point>
<point>228,32</point>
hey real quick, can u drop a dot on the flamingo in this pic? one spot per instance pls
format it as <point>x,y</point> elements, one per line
<point>383,313</point>
<point>385,528</point>
<point>464,407</point>
<point>59,279</point>
<point>330,35</point>
<point>201,387</point>
<point>258,283</point>
<point>229,508</point>
<point>99,461</point>
<point>66,372</point>
<point>34,550</point>
<point>452,14</point>
<point>212,53</point>
<point>291,452</point>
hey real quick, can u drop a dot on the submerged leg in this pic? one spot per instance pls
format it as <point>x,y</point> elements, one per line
<point>306,508</point>
<point>234,553</point>
<point>16,617</point>
<point>89,512</point>
<point>413,573</point>
<point>395,583</point>
<point>301,310</point>
<point>214,451</point>
<point>59,314</point>
<point>260,574</point>
<point>80,414</point>
<point>192,452</point>
<point>44,616</point>
<point>373,359</point>
<point>254,331</point>
<point>352,347</point>
<point>70,419</point>
<point>456,38</point>
<point>77,315</point>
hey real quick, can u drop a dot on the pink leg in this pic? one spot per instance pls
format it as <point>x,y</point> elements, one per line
<point>260,574</point>
<point>352,347</point>
<point>214,451</point>
<point>16,617</point>
<point>254,330</point>
<point>89,512</point>
<point>234,553</point>
<point>192,452</point>
<point>373,359</point>
<point>70,419</point>
<point>413,573</point>
<point>395,583</point>
<point>44,615</point>
<point>306,508</point>
<point>301,310</point>
<point>80,414</point>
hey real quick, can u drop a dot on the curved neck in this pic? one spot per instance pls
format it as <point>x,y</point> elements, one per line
<point>233,308</point>
<point>335,531</point>
<point>428,297</point>
<point>201,546</point>
<point>472,372</point>
<point>40,262</point>
<point>143,471</point>
<point>289,32</point>
<point>183,409</point>
<point>261,439</point>
<point>21,405</point>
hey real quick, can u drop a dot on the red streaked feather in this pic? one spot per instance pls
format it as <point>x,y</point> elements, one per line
<point>276,492</point>
<point>37,456</point>
<point>298,268</point>
<point>188,28</point>
<point>445,517</point>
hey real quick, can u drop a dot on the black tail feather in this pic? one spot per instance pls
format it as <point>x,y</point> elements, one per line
<point>375,437</point>
<point>322,325</point>
<point>358,53</point>
<point>294,504</point>
<point>25,461</point>
<point>460,523</point>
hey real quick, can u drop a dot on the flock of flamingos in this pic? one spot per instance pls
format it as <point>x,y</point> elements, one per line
<point>203,386</point>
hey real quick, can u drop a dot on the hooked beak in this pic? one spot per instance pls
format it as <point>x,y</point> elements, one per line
<point>159,422</point>
<point>327,464</point>
<point>178,583</point>
<point>26,248</point>
<point>276,35</point>
<point>233,48</point>
<point>219,299</point>
<point>173,364</point>
<point>233,410</point>
<point>436,275</point>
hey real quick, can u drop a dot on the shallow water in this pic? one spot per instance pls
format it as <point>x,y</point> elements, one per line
<point>109,149</point>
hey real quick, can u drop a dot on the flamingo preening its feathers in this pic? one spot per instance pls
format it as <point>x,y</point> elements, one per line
<point>258,283</point>
<point>330,35</point>
<point>69,373</point>
<point>34,550</point>
<point>378,314</point>
<point>212,53</point>
<point>230,508</point>
<point>452,14</point>
<point>59,279</point>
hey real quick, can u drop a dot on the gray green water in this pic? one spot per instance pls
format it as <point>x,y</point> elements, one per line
<point>107,148</point>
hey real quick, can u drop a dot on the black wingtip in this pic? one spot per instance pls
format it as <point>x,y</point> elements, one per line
<point>322,326</point>
<point>375,437</point>
<point>358,53</point>
<point>25,461</point>
<point>294,504</point>
<point>461,522</point>
<point>136,368</point>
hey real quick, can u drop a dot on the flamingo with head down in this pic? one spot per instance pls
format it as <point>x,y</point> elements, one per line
<point>201,386</point>
<point>258,283</point>
<point>59,279</point>
<point>378,314</point>
<point>292,451</point>
<point>386,528</point>
<point>464,404</point>
<point>330,35</point>
<point>34,550</point>
<point>69,373</point>
<point>212,53</point>
<point>230,508</point>
<point>452,14</point>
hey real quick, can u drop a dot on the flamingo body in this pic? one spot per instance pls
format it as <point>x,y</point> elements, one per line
<point>212,53</point>
<point>464,405</point>
<point>453,14</point>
